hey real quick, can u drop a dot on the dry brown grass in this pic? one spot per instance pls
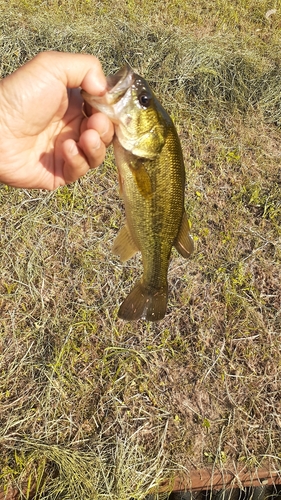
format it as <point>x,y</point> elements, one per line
<point>107,409</point>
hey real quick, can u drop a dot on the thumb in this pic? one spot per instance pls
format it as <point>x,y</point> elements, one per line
<point>74,70</point>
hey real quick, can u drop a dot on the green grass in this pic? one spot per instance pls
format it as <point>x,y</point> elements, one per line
<point>90,406</point>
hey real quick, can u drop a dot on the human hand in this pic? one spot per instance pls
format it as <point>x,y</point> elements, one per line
<point>45,141</point>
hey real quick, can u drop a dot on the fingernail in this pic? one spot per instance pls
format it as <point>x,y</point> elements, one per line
<point>73,149</point>
<point>100,85</point>
<point>101,88</point>
<point>105,131</point>
<point>96,143</point>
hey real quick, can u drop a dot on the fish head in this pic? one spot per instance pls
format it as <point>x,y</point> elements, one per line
<point>140,122</point>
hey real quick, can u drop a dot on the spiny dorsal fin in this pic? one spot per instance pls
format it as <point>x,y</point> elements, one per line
<point>124,245</point>
<point>184,242</point>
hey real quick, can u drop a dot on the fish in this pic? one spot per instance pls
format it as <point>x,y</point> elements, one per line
<point>151,176</point>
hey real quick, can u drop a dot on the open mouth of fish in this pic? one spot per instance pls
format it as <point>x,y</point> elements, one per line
<point>116,96</point>
<point>118,83</point>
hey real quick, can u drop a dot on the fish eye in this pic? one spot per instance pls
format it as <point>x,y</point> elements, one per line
<point>144,100</point>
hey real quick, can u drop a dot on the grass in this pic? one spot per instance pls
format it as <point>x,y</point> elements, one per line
<point>92,407</point>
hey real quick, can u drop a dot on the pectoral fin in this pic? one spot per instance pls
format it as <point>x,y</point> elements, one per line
<point>142,178</point>
<point>184,242</point>
<point>124,245</point>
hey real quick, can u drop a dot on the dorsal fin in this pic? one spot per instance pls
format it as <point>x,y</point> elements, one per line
<point>184,241</point>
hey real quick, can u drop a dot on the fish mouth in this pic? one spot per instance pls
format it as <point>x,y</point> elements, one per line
<point>117,86</point>
<point>118,83</point>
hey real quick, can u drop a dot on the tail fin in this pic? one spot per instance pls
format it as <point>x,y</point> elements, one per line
<point>143,303</point>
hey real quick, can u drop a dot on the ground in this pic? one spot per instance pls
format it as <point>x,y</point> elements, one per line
<point>94,407</point>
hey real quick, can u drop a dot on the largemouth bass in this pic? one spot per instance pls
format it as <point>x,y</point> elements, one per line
<point>152,180</point>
